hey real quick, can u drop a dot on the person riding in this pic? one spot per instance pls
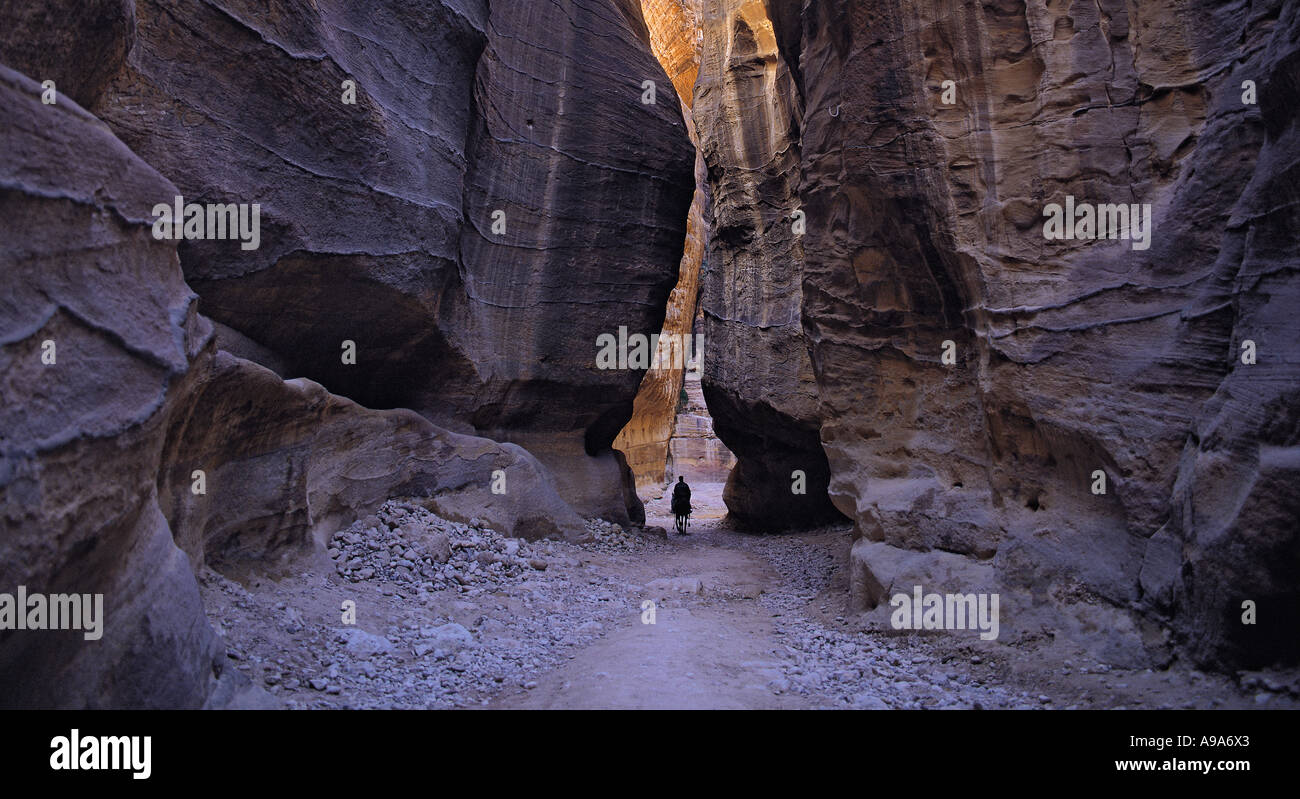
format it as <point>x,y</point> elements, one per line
<point>681,498</point>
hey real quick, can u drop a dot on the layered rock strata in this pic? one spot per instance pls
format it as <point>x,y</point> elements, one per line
<point>644,440</point>
<point>695,452</point>
<point>434,179</point>
<point>758,379</point>
<point>376,232</point>
<point>97,334</point>
<point>934,140</point>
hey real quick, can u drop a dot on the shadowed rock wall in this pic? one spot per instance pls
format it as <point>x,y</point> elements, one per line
<point>925,225</point>
<point>376,228</point>
<point>758,380</point>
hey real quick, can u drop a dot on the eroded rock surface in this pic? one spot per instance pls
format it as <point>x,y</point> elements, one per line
<point>39,38</point>
<point>97,332</point>
<point>824,346</point>
<point>283,464</point>
<point>497,179</point>
<point>644,440</point>
<point>286,463</point>
<point>694,452</point>
<point>925,225</point>
<point>595,185</point>
<point>758,379</point>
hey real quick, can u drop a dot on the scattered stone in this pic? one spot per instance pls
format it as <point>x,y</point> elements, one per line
<point>868,701</point>
<point>452,637</point>
<point>364,644</point>
<point>486,618</point>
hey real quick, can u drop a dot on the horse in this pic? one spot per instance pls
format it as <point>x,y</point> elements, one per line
<point>683,521</point>
<point>681,506</point>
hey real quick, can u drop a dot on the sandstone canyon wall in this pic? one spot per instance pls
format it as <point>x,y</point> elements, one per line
<point>644,440</point>
<point>694,451</point>
<point>847,219</point>
<point>380,217</point>
<point>758,379</point>
<point>376,229</point>
<point>596,185</point>
<point>923,144</point>
<point>925,226</point>
<point>116,401</point>
<point>90,374</point>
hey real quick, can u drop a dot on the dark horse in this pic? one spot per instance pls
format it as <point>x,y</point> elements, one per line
<point>682,505</point>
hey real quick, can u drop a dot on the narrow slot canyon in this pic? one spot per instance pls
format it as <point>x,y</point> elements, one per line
<point>497,274</point>
<point>744,308</point>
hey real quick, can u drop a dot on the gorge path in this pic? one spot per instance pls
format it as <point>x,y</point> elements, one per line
<point>742,620</point>
<point>712,644</point>
<point>757,622</point>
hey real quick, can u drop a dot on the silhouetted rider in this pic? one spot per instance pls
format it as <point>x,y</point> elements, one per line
<point>681,497</point>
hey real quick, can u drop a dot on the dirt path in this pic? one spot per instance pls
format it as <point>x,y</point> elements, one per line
<point>693,659</point>
<point>736,626</point>
<point>711,643</point>
<point>447,614</point>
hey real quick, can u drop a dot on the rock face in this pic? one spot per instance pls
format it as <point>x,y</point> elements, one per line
<point>128,434</point>
<point>498,178</point>
<point>595,185</point>
<point>91,373</point>
<point>286,463</point>
<point>361,206</point>
<point>644,440</point>
<point>924,145</point>
<point>146,434</point>
<point>1234,508</point>
<point>758,379</point>
<point>1106,433</point>
<point>925,226</point>
<point>40,37</point>
<point>694,452</point>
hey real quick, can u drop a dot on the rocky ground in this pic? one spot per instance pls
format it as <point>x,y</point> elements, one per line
<point>456,615</point>
<point>446,614</point>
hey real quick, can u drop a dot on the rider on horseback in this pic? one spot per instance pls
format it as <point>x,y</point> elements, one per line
<point>682,504</point>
